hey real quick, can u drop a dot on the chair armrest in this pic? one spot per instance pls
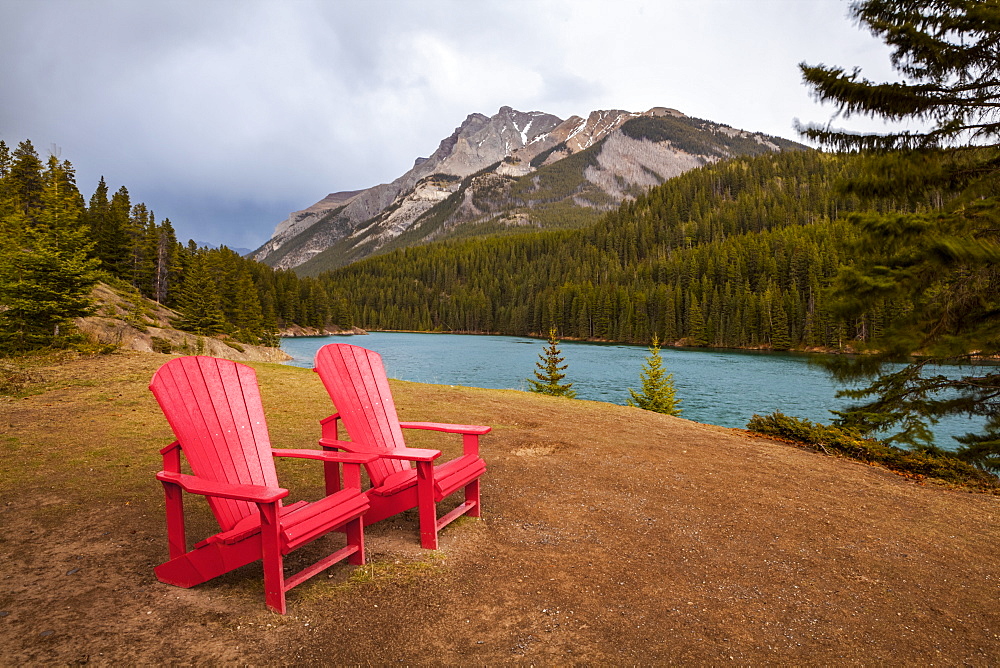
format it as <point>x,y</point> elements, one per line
<point>172,457</point>
<point>349,446</point>
<point>223,490</point>
<point>470,433</point>
<point>477,430</point>
<point>176,445</point>
<point>412,454</point>
<point>326,456</point>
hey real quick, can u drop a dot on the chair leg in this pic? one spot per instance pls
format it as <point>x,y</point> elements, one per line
<point>426,506</point>
<point>274,568</point>
<point>356,536</point>
<point>472,496</point>
<point>177,542</point>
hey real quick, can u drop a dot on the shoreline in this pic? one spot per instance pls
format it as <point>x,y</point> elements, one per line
<point>677,345</point>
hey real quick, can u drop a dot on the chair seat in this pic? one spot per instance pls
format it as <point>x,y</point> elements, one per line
<point>301,521</point>
<point>302,525</point>
<point>448,477</point>
<point>246,527</point>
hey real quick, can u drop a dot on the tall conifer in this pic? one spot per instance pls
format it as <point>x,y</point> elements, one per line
<point>942,259</point>
<point>4,159</point>
<point>24,180</point>
<point>46,273</point>
<point>96,218</point>
<point>249,321</point>
<point>114,239</point>
<point>198,302</point>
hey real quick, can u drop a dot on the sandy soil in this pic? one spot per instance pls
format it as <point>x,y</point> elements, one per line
<point>610,535</point>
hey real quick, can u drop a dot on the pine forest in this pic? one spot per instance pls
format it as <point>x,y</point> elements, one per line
<point>735,254</point>
<point>56,245</point>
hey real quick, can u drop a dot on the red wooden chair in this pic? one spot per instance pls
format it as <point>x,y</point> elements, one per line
<point>357,384</point>
<point>214,409</point>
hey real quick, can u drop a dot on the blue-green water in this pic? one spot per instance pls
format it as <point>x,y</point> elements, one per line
<point>721,387</point>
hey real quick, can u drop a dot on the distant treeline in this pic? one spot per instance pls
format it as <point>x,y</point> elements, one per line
<point>735,254</point>
<point>42,213</point>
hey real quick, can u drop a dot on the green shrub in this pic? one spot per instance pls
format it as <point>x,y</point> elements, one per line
<point>161,345</point>
<point>846,442</point>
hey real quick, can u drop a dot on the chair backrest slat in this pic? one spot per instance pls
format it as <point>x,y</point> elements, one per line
<point>215,410</point>
<point>356,381</point>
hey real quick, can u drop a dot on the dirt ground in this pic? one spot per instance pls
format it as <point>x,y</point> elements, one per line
<point>610,535</point>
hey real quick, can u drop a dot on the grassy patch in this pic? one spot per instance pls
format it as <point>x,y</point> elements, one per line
<point>16,379</point>
<point>395,571</point>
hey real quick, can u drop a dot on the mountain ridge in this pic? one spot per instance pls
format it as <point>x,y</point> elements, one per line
<point>508,170</point>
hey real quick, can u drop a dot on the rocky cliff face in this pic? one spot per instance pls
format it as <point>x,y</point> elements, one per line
<point>501,169</point>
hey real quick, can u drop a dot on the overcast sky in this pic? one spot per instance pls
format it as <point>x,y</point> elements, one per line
<point>226,115</point>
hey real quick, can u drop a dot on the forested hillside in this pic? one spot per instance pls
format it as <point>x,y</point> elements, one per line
<point>734,254</point>
<point>55,245</point>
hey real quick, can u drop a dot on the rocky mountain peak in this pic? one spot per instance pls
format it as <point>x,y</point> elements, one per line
<point>629,152</point>
<point>480,141</point>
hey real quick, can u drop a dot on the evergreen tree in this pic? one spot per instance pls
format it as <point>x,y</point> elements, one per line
<point>658,392</point>
<point>780,339</point>
<point>46,274</point>
<point>97,219</point>
<point>942,258</point>
<point>24,181</point>
<point>164,249</point>
<point>550,371</point>
<point>249,324</point>
<point>4,159</point>
<point>6,200</point>
<point>269,324</point>
<point>198,302</point>
<point>947,51</point>
<point>113,237</point>
<point>141,234</point>
<point>696,326</point>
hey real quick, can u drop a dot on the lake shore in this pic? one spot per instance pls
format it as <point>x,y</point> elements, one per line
<point>680,344</point>
<point>302,332</point>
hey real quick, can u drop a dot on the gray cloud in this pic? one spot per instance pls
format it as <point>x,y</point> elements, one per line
<point>227,115</point>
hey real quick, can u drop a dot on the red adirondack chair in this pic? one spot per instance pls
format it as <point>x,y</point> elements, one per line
<point>357,384</point>
<point>215,411</point>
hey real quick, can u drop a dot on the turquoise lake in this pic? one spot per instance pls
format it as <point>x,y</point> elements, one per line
<point>720,387</point>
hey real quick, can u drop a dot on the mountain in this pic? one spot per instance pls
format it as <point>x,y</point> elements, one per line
<point>510,170</point>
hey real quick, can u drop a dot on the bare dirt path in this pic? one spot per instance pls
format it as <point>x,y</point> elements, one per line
<point>610,535</point>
